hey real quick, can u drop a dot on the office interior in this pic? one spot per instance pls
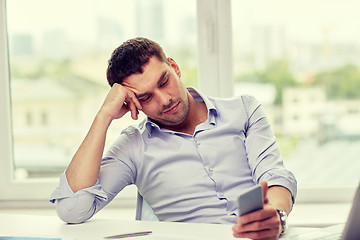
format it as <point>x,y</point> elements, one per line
<point>299,59</point>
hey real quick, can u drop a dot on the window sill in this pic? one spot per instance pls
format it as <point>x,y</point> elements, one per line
<point>319,214</point>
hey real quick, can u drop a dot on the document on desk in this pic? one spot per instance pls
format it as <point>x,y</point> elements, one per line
<point>27,238</point>
<point>169,237</point>
<point>31,238</point>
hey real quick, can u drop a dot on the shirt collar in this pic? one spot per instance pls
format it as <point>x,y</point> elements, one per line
<point>198,96</point>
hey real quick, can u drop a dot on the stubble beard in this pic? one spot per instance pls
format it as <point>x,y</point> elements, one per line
<point>184,109</point>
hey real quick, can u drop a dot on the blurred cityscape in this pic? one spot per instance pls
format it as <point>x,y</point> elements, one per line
<point>301,60</point>
<point>310,89</point>
<point>58,69</point>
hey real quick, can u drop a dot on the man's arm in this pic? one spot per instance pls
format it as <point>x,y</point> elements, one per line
<point>266,163</point>
<point>280,197</point>
<point>265,223</point>
<point>83,169</point>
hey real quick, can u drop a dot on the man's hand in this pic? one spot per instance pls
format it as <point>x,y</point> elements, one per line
<point>263,224</point>
<point>119,101</point>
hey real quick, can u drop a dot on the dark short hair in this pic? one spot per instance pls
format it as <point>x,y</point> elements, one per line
<point>130,57</point>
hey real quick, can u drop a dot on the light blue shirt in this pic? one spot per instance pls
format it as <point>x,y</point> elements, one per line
<point>187,178</point>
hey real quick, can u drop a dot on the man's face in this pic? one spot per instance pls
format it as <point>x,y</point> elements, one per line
<point>160,91</point>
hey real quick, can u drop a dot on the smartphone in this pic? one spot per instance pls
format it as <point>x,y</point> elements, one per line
<point>251,200</point>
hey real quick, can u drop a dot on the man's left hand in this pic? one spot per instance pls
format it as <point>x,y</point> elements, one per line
<point>263,224</point>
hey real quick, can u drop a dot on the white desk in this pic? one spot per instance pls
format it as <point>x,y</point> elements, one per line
<point>50,226</point>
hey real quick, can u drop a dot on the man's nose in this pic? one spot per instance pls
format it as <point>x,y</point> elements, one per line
<point>163,98</point>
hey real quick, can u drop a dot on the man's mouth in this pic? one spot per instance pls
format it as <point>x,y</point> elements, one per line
<point>172,109</point>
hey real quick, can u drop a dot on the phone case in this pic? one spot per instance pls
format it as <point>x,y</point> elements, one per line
<point>251,200</point>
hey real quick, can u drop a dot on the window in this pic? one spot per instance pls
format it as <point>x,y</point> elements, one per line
<point>299,59</point>
<point>57,68</point>
<point>308,51</point>
<point>56,57</point>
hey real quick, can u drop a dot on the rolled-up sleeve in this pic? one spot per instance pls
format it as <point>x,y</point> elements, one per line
<point>77,207</point>
<point>263,151</point>
<point>116,172</point>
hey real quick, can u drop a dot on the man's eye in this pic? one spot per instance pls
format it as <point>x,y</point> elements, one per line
<point>145,98</point>
<point>164,82</point>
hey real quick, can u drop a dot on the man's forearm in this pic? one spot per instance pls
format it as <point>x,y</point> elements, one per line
<point>84,168</point>
<point>280,197</point>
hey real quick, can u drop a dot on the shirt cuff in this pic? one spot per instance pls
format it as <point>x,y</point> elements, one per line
<point>64,191</point>
<point>284,178</point>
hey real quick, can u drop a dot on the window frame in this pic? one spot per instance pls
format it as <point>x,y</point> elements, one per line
<point>215,53</point>
<point>214,78</point>
<point>34,189</point>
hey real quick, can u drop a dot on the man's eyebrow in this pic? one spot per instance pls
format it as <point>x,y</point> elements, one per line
<point>163,75</point>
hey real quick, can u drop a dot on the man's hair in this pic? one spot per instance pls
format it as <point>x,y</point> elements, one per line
<point>130,57</point>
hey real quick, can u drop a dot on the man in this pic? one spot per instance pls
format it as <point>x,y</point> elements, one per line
<point>190,158</point>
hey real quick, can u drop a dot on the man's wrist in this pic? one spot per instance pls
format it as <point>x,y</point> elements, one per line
<point>103,117</point>
<point>283,220</point>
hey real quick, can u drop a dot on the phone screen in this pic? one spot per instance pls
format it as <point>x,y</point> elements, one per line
<point>251,200</point>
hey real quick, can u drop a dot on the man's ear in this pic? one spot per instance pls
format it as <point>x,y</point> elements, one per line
<point>174,65</point>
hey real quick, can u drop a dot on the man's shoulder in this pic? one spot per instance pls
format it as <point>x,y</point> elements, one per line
<point>135,129</point>
<point>246,100</point>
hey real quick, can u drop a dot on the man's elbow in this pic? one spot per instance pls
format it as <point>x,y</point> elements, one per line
<point>73,214</point>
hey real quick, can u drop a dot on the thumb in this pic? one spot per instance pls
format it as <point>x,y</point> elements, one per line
<point>264,186</point>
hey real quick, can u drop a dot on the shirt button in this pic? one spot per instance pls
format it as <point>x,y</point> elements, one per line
<point>197,142</point>
<point>221,194</point>
<point>211,169</point>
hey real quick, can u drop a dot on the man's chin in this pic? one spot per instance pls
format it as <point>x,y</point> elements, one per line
<point>166,123</point>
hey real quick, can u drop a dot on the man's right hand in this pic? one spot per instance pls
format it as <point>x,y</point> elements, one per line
<point>119,101</point>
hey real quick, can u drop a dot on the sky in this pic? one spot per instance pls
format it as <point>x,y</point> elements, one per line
<point>82,15</point>
<point>303,19</point>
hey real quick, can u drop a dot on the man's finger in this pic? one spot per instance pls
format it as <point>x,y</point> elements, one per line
<point>134,111</point>
<point>259,215</point>
<point>131,95</point>
<point>261,235</point>
<point>264,187</point>
<point>135,101</point>
<point>269,223</point>
<point>266,229</point>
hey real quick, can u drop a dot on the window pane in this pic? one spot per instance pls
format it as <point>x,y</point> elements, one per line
<point>301,60</point>
<point>58,58</point>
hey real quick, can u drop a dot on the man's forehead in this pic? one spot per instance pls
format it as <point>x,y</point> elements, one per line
<point>153,71</point>
<point>141,84</point>
<point>133,84</point>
